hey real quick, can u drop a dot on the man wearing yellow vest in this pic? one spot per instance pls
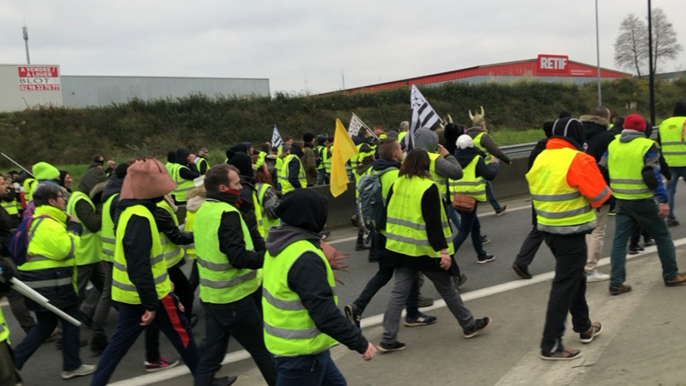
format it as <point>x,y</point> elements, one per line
<point>249,206</point>
<point>185,171</point>
<point>387,166</point>
<point>10,200</point>
<point>566,185</point>
<point>292,173</point>
<point>86,206</point>
<point>320,152</point>
<point>140,283</point>
<point>201,161</point>
<point>485,143</point>
<point>50,270</point>
<point>672,139</point>
<point>404,126</point>
<point>301,318</point>
<point>229,276</point>
<point>634,167</point>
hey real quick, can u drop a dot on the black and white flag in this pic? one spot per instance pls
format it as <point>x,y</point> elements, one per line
<point>423,115</point>
<point>277,141</point>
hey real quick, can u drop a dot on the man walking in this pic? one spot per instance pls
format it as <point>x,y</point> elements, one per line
<point>634,168</point>
<point>565,185</point>
<point>672,140</point>
<point>228,267</point>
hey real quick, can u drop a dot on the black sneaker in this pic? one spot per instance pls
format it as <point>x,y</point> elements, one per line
<point>649,243</point>
<point>635,250</point>
<point>98,344</point>
<point>483,259</point>
<point>395,346</point>
<point>672,222</point>
<point>421,320</point>
<point>458,281</point>
<point>352,314</point>
<point>224,381</point>
<point>479,326</point>
<point>485,240</point>
<point>587,337</point>
<point>501,211</point>
<point>522,272</point>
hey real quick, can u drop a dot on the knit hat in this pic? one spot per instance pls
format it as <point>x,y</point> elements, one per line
<point>243,163</point>
<point>308,137</point>
<point>634,122</point>
<point>464,141</point>
<point>304,208</point>
<point>146,179</point>
<point>45,171</point>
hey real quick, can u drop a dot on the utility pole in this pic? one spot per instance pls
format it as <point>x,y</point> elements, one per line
<point>343,78</point>
<point>597,45</point>
<point>25,30</point>
<point>651,76</point>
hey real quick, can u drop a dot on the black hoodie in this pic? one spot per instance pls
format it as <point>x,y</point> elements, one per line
<point>598,138</point>
<point>304,214</point>
<point>189,171</point>
<point>90,217</point>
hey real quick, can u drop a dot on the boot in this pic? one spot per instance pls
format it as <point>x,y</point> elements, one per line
<point>98,344</point>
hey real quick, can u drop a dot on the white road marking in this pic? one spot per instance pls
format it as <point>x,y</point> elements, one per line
<point>236,356</point>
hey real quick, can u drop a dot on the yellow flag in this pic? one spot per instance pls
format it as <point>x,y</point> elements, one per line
<point>343,150</point>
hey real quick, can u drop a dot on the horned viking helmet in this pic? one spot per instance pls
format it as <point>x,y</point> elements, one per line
<point>477,118</point>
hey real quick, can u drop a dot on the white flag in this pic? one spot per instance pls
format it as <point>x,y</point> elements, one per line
<point>277,141</point>
<point>423,115</point>
<point>356,124</point>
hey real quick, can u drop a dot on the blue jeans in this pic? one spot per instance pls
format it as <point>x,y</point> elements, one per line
<point>491,197</point>
<point>382,277</point>
<point>168,318</point>
<point>470,225</point>
<point>452,215</point>
<point>671,187</point>
<point>310,370</point>
<point>47,321</point>
<point>322,178</point>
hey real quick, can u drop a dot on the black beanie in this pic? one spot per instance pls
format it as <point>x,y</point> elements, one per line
<point>120,170</point>
<point>680,109</point>
<point>565,114</point>
<point>240,148</point>
<point>171,156</point>
<point>570,129</point>
<point>243,163</point>
<point>304,209</point>
<point>308,137</point>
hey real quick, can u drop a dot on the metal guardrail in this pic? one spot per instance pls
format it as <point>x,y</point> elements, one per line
<point>523,150</point>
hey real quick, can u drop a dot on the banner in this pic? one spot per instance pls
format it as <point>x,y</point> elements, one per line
<point>277,141</point>
<point>423,115</point>
<point>356,124</point>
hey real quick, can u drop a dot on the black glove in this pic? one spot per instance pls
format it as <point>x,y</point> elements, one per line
<point>8,270</point>
<point>74,227</point>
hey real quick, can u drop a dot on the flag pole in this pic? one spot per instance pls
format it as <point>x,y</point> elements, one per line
<point>16,163</point>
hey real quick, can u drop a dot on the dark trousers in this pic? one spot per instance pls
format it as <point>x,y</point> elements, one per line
<point>568,291</point>
<point>636,236</point>
<point>382,277</point>
<point>491,197</point>
<point>469,224</point>
<point>9,375</point>
<point>183,291</point>
<point>194,278</point>
<point>644,214</point>
<point>47,321</point>
<point>310,370</point>
<point>168,318</point>
<point>17,304</point>
<point>242,321</point>
<point>529,248</point>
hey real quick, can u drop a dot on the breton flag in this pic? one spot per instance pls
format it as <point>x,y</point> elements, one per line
<point>277,141</point>
<point>423,115</point>
<point>356,124</point>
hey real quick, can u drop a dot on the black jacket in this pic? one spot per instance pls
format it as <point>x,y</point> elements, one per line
<point>247,209</point>
<point>5,232</point>
<point>465,157</point>
<point>190,171</point>
<point>137,245</point>
<point>230,233</point>
<point>598,137</point>
<point>165,224</point>
<point>294,172</point>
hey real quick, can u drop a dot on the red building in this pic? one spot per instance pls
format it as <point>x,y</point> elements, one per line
<point>546,68</point>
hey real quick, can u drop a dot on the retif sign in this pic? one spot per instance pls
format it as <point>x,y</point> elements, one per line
<point>38,78</point>
<point>553,64</point>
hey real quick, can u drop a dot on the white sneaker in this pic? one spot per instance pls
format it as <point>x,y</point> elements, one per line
<point>596,276</point>
<point>80,372</point>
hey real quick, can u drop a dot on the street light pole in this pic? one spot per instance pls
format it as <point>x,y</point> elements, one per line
<point>25,31</point>
<point>597,45</point>
<point>651,73</point>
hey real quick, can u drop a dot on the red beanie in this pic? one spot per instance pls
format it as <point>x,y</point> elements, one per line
<point>635,122</point>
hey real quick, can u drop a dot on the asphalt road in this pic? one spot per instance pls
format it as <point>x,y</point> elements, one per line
<point>506,232</point>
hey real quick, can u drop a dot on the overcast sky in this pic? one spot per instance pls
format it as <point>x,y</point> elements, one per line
<point>303,45</point>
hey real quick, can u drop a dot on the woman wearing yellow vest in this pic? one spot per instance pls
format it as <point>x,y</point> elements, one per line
<point>473,184</point>
<point>50,269</point>
<point>140,283</point>
<point>419,240</point>
<point>267,199</point>
<point>301,318</point>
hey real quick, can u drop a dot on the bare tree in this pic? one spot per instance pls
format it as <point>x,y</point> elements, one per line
<point>665,44</point>
<point>631,44</point>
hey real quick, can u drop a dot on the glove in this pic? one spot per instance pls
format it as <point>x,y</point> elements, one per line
<point>8,270</point>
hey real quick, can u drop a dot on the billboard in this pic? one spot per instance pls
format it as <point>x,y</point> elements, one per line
<point>38,78</point>
<point>553,64</point>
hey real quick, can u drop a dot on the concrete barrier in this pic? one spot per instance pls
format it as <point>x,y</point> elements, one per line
<point>510,183</point>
